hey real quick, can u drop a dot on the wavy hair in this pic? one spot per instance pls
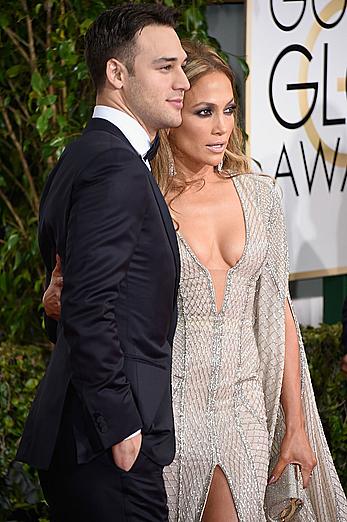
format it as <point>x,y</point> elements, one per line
<point>202,60</point>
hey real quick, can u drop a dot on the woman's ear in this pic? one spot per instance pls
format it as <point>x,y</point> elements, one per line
<point>115,73</point>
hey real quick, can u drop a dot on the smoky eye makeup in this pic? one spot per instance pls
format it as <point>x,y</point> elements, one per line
<point>230,107</point>
<point>204,111</point>
<point>208,109</point>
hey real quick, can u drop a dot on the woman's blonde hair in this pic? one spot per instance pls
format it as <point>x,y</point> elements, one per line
<point>201,60</point>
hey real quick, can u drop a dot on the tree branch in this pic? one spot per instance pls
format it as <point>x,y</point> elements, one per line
<point>48,6</point>
<point>18,100</point>
<point>13,212</point>
<point>21,157</point>
<point>19,185</point>
<point>33,59</point>
<point>13,37</point>
<point>63,89</point>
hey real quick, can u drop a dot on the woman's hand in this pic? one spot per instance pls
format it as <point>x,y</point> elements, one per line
<point>51,297</point>
<point>295,449</point>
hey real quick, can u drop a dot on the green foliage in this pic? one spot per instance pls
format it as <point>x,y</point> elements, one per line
<point>45,100</point>
<point>21,367</point>
<point>324,352</point>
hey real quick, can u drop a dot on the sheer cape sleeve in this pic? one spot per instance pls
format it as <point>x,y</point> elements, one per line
<point>325,499</point>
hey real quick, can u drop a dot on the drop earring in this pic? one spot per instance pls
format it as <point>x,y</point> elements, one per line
<point>172,171</point>
<point>220,166</point>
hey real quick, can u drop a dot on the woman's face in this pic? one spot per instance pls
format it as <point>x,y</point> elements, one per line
<point>207,122</point>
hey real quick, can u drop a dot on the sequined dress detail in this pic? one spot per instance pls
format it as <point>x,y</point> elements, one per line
<point>227,372</point>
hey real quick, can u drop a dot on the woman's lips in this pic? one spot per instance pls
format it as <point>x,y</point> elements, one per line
<point>217,147</point>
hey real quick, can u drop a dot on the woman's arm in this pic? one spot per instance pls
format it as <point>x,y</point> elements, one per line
<point>295,447</point>
<point>291,385</point>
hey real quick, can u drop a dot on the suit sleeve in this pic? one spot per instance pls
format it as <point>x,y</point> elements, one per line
<point>45,248</point>
<point>106,214</point>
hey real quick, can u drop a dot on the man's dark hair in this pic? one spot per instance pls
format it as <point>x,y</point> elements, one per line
<point>112,35</point>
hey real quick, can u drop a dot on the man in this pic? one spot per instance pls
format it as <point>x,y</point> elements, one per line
<point>101,429</point>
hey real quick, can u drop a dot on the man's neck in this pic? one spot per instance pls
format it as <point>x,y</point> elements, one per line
<point>121,106</point>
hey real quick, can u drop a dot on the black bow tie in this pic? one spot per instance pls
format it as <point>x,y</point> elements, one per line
<point>153,149</point>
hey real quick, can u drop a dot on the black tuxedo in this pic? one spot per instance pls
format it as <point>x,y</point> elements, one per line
<point>102,211</point>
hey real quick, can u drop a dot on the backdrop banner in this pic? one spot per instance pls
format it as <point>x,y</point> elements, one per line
<point>296,105</point>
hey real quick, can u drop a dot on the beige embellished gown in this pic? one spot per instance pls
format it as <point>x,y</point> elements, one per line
<point>227,374</point>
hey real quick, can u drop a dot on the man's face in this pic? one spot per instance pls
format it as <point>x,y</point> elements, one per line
<point>154,92</point>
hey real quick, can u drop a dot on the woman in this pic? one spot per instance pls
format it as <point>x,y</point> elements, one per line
<point>240,377</point>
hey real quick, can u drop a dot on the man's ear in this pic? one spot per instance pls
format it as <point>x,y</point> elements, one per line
<point>115,73</point>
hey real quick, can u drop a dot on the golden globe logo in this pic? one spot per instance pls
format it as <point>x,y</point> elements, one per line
<point>329,19</point>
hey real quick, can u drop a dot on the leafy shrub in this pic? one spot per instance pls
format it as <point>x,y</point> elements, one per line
<point>44,102</point>
<point>324,352</point>
<point>21,367</point>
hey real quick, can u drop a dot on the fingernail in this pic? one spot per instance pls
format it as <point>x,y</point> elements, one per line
<point>272,479</point>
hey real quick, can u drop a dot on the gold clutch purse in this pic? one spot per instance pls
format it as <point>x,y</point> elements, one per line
<point>285,498</point>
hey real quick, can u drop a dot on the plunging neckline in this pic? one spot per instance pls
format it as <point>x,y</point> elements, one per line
<point>231,269</point>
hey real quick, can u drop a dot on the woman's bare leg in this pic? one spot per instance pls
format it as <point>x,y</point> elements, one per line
<point>220,505</point>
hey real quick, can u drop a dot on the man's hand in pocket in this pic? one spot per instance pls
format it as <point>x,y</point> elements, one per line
<point>126,452</point>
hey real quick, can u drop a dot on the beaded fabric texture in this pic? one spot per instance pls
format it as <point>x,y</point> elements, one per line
<point>227,374</point>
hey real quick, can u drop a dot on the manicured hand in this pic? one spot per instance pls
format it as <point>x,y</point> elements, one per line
<point>125,453</point>
<point>51,297</point>
<point>295,449</point>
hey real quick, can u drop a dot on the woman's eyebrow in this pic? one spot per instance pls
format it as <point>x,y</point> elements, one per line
<point>211,104</point>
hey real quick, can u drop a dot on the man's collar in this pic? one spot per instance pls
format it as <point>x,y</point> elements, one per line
<point>130,127</point>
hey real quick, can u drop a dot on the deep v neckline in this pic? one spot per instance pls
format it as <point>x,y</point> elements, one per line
<point>231,269</point>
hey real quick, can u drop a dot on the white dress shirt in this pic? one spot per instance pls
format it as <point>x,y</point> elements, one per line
<point>135,134</point>
<point>131,128</point>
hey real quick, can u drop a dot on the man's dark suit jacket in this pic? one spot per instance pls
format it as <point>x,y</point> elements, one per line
<point>103,213</point>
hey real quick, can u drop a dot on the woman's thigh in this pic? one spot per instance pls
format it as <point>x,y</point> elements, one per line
<point>219,505</point>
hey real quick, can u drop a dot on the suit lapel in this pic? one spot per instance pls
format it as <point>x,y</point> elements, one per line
<point>105,125</point>
<point>168,226</point>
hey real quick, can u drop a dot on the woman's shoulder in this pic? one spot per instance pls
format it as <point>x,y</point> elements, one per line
<point>258,183</point>
<point>255,177</point>
<point>260,190</point>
